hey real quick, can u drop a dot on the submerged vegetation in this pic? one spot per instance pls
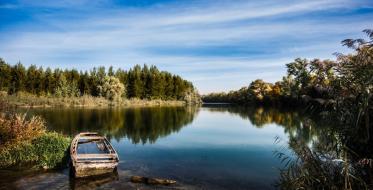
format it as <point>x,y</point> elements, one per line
<point>25,142</point>
<point>146,83</point>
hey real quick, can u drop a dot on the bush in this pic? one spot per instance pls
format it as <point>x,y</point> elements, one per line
<point>25,141</point>
<point>15,128</point>
<point>48,151</point>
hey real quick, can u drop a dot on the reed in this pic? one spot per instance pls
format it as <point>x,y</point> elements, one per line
<point>29,100</point>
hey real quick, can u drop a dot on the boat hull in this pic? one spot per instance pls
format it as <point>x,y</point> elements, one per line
<point>92,154</point>
<point>85,170</point>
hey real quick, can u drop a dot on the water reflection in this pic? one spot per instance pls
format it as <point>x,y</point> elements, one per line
<point>296,123</point>
<point>93,181</point>
<point>140,125</point>
<point>213,147</point>
<point>146,125</point>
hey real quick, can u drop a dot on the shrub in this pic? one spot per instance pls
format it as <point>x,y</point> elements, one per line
<point>15,128</point>
<point>48,151</point>
<point>25,141</point>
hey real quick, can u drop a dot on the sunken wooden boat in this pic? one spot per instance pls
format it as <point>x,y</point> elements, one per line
<point>92,154</point>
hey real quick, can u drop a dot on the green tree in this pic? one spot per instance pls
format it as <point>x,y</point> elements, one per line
<point>169,87</point>
<point>49,82</point>
<point>299,69</point>
<point>5,75</point>
<point>31,79</point>
<point>135,85</point>
<point>84,83</point>
<point>18,77</point>
<point>66,89</point>
<point>39,81</point>
<point>110,71</point>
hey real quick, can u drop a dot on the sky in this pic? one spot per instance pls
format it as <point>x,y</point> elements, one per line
<point>219,45</point>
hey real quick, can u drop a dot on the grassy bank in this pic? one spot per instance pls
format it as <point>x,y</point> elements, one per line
<point>25,142</point>
<point>30,100</point>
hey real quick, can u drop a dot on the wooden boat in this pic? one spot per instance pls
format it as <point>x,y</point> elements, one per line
<point>92,154</point>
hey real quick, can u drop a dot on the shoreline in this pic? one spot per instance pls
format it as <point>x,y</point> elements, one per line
<point>32,101</point>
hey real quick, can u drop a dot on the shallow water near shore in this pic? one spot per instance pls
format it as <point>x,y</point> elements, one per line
<point>213,147</point>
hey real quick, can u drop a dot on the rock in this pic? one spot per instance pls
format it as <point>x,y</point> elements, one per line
<point>137,179</point>
<point>152,181</point>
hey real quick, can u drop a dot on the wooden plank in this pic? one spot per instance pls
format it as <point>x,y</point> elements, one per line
<point>96,161</point>
<point>87,133</point>
<point>108,147</point>
<point>87,156</point>
<point>91,138</point>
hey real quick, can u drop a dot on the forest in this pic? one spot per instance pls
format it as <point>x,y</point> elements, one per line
<point>138,82</point>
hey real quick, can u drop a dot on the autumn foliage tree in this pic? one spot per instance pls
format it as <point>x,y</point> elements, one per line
<point>111,88</point>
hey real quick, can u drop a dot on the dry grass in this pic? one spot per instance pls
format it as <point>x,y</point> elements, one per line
<point>30,100</point>
<point>15,128</point>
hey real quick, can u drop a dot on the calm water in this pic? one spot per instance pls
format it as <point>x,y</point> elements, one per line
<point>201,148</point>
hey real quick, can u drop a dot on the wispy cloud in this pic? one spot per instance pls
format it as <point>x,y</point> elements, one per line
<point>218,45</point>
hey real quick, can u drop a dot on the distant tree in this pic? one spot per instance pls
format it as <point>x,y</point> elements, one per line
<point>5,75</point>
<point>65,89</point>
<point>31,79</point>
<point>148,82</point>
<point>260,89</point>
<point>169,87</point>
<point>139,82</point>
<point>299,69</point>
<point>83,84</point>
<point>136,84</point>
<point>111,88</point>
<point>122,76</point>
<point>110,71</point>
<point>39,81</point>
<point>49,82</point>
<point>155,86</point>
<point>323,72</point>
<point>18,78</point>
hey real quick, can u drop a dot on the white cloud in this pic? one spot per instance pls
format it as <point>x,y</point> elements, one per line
<point>124,37</point>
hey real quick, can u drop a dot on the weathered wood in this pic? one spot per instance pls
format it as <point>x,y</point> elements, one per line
<point>152,181</point>
<point>91,138</point>
<point>96,161</point>
<point>88,156</point>
<point>92,164</point>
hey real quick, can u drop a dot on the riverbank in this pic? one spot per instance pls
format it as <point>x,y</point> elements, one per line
<point>26,143</point>
<point>32,101</point>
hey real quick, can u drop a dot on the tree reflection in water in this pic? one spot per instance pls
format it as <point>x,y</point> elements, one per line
<point>317,157</point>
<point>140,125</point>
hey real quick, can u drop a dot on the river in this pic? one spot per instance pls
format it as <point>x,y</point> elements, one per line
<point>209,147</point>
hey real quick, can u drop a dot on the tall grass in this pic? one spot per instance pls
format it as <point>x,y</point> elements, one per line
<point>23,99</point>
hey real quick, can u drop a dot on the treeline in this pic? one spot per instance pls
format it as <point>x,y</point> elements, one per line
<point>323,81</point>
<point>138,82</point>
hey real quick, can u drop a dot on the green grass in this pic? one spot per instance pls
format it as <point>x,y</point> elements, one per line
<point>49,150</point>
<point>25,141</point>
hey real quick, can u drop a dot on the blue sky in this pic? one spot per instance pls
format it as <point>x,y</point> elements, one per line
<point>219,45</point>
